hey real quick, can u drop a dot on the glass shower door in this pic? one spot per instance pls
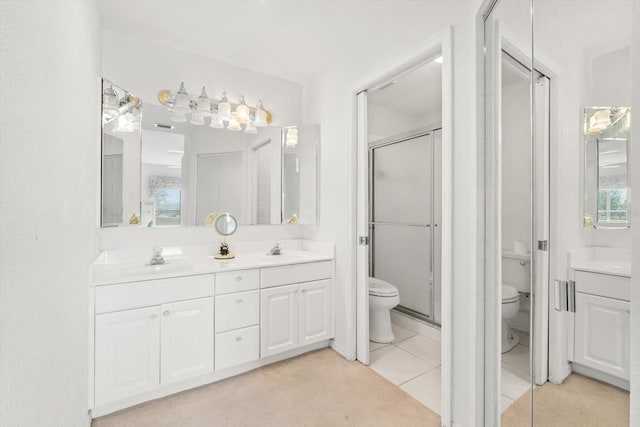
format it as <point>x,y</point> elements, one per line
<point>401,220</point>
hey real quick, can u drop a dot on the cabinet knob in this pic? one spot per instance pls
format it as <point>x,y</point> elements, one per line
<point>239,300</point>
<point>238,278</point>
<point>154,316</point>
<point>166,313</point>
<point>238,339</point>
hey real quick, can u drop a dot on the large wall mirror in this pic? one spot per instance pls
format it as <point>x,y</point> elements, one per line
<point>158,172</point>
<point>607,141</point>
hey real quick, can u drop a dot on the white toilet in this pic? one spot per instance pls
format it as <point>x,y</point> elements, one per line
<point>383,296</point>
<point>515,280</point>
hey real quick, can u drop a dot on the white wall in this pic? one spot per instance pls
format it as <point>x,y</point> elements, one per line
<point>49,53</point>
<point>328,102</point>
<point>516,165</point>
<point>635,214</point>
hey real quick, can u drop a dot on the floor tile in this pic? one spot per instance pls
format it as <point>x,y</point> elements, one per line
<point>401,333</point>
<point>520,373</point>
<point>373,346</point>
<point>426,389</point>
<point>422,347</point>
<point>397,365</point>
<point>512,385</point>
<point>518,357</point>
<point>505,402</point>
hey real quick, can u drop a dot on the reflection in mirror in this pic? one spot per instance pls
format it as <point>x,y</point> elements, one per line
<point>121,115</point>
<point>191,171</point>
<point>300,174</point>
<point>606,183</point>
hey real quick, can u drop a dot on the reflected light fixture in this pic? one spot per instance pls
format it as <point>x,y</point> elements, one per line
<point>600,120</point>
<point>291,140</point>
<point>236,116</point>
<point>110,104</point>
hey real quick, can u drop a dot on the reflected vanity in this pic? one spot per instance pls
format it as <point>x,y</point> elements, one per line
<point>158,172</point>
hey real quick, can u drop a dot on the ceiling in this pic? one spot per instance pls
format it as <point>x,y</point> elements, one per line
<point>288,39</point>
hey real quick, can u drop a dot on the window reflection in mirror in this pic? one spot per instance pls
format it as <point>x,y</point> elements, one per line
<point>607,141</point>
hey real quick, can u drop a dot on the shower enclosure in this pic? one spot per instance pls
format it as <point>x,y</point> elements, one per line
<point>404,218</point>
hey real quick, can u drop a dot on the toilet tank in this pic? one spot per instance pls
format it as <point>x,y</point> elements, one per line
<point>516,271</point>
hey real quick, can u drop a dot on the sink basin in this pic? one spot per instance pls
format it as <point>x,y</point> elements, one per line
<point>130,271</point>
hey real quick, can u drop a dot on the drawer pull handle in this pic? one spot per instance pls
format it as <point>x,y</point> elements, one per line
<point>238,339</point>
<point>154,316</point>
<point>238,278</point>
<point>239,300</point>
<point>166,313</point>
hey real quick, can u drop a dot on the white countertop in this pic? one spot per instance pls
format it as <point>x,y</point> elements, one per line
<point>131,265</point>
<point>600,260</point>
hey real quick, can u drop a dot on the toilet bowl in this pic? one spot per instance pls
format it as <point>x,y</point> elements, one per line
<point>510,308</point>
<point>383,296</point>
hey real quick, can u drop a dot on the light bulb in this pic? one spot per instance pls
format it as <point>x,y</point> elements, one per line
<point>234,125</point>
<point>182,100</point>
<point>216,122</point>
<point>204,104</point>
<point>110,104</point>
<point>292,138</point>
<point>242,111</point>
<point>224,108</point>
<point>261,115</point>
<point>251,128</point>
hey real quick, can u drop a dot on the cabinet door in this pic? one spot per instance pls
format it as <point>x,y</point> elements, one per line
<point>127,353</point>
<point>187,339</point>
<point>278,319</point>
<point>602,334</point>
<point>314,312</point>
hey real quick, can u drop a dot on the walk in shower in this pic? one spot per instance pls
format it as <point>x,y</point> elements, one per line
<point>404,211</point>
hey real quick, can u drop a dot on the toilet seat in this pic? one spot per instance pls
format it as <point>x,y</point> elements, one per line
<point>509,294</point>
<point>380,288</point>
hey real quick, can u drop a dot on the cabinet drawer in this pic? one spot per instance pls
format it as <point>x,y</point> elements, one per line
<point>237,347</point>
<point>234,311</point>
<point>297,273</point>
<point>606,285</point>
<point>152,292</point>
<point>237,281</point>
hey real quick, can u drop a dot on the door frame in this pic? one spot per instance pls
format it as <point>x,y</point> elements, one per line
<point>550,346</point>
<point>438,44</point>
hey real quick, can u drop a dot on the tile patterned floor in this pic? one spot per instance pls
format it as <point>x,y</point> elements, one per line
<point>412,362</point>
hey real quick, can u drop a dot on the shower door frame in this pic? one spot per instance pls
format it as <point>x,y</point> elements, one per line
<point>399,139</point>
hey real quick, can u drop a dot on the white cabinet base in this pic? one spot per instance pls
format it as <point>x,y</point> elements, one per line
<point>170,389</point>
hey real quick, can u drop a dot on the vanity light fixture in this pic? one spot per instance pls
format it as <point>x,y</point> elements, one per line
<point>599,121</point>
<point>222,112</point>
<point>110,105</point>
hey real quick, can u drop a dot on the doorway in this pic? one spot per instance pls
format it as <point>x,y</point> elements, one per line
<point>372,136</point>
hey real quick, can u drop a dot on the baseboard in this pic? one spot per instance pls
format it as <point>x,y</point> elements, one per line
<point>423,328</point>
<point>601,376</point>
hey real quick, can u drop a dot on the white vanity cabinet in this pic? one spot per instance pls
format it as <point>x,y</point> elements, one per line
<point>293,314</point>
<point>127,350</point>
<point>602,323</point>
<point>155,337</point>
<point>156,343</point>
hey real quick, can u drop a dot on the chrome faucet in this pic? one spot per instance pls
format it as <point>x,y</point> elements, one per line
<point>275,250</point>
<point>157,257</point>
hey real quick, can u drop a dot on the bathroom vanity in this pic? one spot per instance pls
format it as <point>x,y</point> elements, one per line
<point>602,320</point>
<point>158,330</point>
